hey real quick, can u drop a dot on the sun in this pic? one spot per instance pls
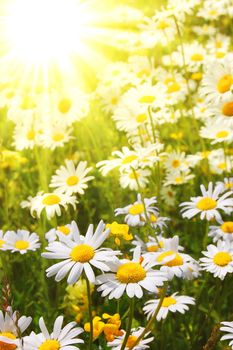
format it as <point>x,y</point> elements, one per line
<point>41,31</point>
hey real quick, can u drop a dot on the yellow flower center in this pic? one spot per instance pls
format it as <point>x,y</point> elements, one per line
<point>31,135</point>
<point>64,105</point>
<point>51,199</point>
<point>177,261</point>
<point>205,154</point>
<point>228,185</point>
<point>227,109</point>
<point>222,134</point>
<point>154,248</point>
<point>222,166</point>
<point>222,258</point>
<point>168,301</point>
<point>114,101</point>
<point>134,175</point>
<point>162,25</point>
<point>175,163</point>
<point>174,87</point>
<point>82,253</point>
<point>130,272</point>
<point>64,229</point>
<point>218,44</point>
<point>206,204</point>
<point>224,84</point>
<point>2,242</point>
<point>136,209</point>
<point>141,118</point>
<point>196,76</point>
<point>220,54</point>
<point>129,159</point>
<point>50,345</point>
<point>131,341</point>
<point>197,57</point>
<point>21,244</point>
<point>153,218</point>
<point>179,180</point>
<point>227,227</point>
<point>5,346</point>
<point>147,99</point>
<point>58,137</point>
<point>72,180</point>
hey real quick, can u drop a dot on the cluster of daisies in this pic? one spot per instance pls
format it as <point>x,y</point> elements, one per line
<point>192,85</point>
<point>68,182</point>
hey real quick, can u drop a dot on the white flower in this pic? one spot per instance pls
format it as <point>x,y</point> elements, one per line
<point>131,277</point>
<point>209,204</point>
<point>223,231</point>
<point>51,202</point>
<point>70,179</point>
<point>55,136</point>
<point>10,325</point>
<point>125,159</point>
<point>135,333</point>
<point>173,262</point>
<point>228,328</point>
<point>135,213</point>
<point>131,179</point>
<point>173,303</point>
<point>218,259</point>
<point>21,241</point>
<point>53,234</point>
<point>79,254</point>
<point>60,338</point>
<point>226,184</point>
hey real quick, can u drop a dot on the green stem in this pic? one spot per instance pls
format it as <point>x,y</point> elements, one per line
<point>89,312</point>
<point>129,324</point>
<point>205,239</point>
<point>153,318</point>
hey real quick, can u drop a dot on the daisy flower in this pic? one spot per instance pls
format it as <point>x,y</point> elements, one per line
<point>228,328</point>
<point>173,303</point>
<point>135,333</point>
<point>55,136</point>
<point>61,338</point>
<point>126,158</point>
<point>226,184</point>
<point>223,111</point>
<point>134,179</point>
<point>25,137</point>
<point>70,179</point>
<point>218,259</point>
<point>217,132</point>
<point>131,277</point>
<point>209,204</point>
<point>175,162</point>
<point>178,178</point>
<point>53,234</point>
<point>21,241</point>
<point>10,325</point>
<point>151,245</point>
<point>223,231</point>
<point>172,261</point>
<point>52,203</point>
<point>135,213</point>
<point>79,254</point>
<point>217,80</point>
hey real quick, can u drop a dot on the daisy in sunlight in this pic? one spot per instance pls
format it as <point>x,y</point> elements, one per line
<point>209,204</point>
<point>60,338</point>
<point>131,277</point>
<point>218,259</point>
<point>80,254</point>
<point>21,241</point>
<point>173,303</point>
<point>70,179</point>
